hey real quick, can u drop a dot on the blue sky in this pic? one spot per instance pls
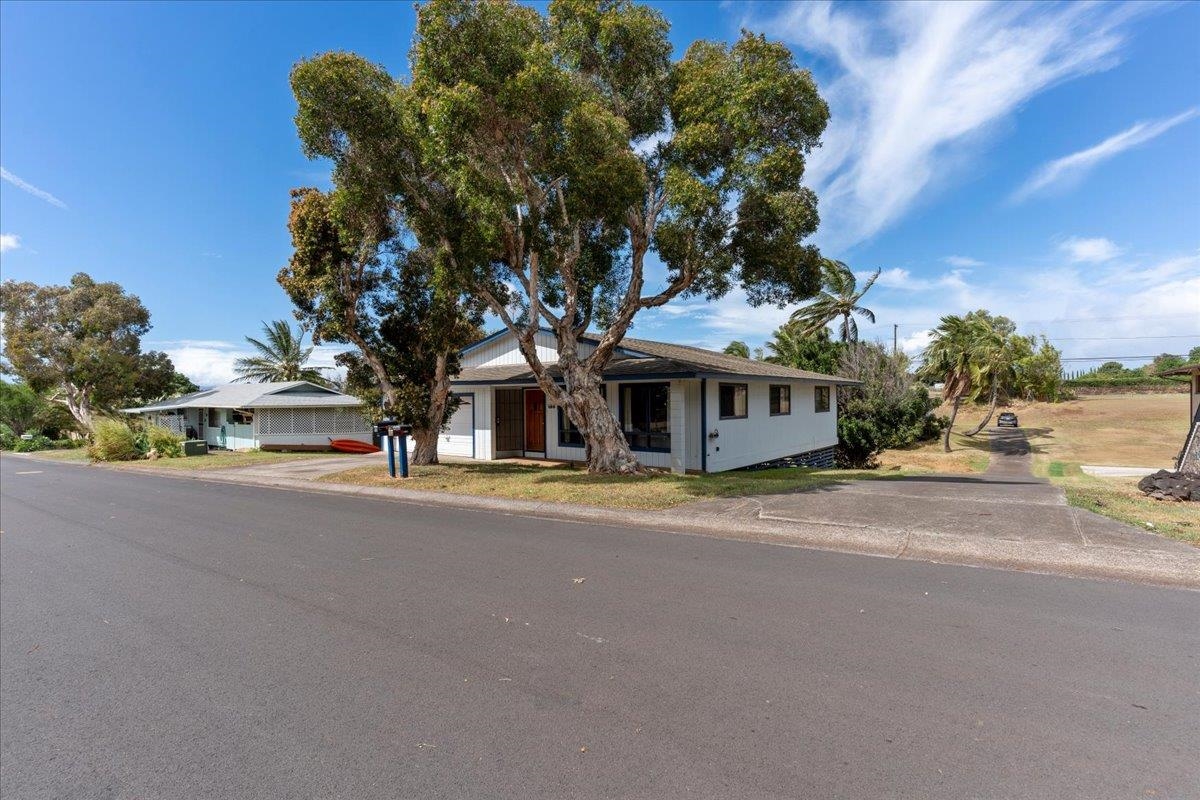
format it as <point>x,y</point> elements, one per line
<point>1042,161</point>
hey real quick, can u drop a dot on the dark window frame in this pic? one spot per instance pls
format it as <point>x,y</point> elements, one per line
<point>621,416</point>
<point>818,392</point>
<point>567,428</point>
<point>776,408</point>
<point>745,387</point>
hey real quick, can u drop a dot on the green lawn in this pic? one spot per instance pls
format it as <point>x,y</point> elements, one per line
<point>566,484</point>
<point>214,460</point>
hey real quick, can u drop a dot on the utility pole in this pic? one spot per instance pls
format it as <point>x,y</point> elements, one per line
<point>895,335</point>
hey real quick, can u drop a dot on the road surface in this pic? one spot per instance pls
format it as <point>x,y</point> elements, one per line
<point>170,638</point>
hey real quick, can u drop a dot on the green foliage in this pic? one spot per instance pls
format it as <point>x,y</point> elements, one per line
<point>1193,356</point>
<point>166,442</point>
<point>889,410</point>
<point>282,357</point>
<point>81,341</point>
<point>38,442</point>
<point>1099,381</point>
<point>737,348</point>
<point>1038,373</point>
<point>113,440</point>
<point>8,438</point>
<point>20,406</point>
<point>838,300</point>
<point>814,352</point>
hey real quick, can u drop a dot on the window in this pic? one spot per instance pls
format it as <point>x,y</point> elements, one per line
<point>568,434</point>
<point>781,400</point>
<point>645,415</point>
<point>734,400</point>
<point>216,417</point>
<point>240,416</point>
<point>821,394</point>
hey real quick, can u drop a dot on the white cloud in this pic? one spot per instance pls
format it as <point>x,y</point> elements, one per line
<point>209,362</point>
<point>962,261</point>
<point>919,85</point>
<point>1069,170</point>
<point>916,342</point>
<point>9,241</point>
<point>1090,251</point>
<point>31,189</point>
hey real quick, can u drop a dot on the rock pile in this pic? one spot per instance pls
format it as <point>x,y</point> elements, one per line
<point>1164,485</point>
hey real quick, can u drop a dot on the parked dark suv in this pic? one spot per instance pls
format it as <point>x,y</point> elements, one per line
<point>1007,419</point>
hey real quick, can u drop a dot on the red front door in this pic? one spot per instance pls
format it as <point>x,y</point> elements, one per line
<point>535,420</point>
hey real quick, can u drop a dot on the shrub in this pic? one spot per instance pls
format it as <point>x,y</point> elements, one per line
<point>168,443</point>
<point>113,441</point>
<point>8,439</point>
<point>38,442</point>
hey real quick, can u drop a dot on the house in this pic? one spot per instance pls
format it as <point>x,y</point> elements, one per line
<point>681,408</point>
<point>289,415</point>
<point>1189,456</point>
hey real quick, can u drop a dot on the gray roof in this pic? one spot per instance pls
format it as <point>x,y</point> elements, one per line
<point>1186,369</point>
<point>281,394</point>
<point>641,358</point>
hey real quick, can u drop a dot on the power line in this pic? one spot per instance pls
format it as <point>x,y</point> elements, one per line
<point>1138,317</point>
<point>1195,336</point>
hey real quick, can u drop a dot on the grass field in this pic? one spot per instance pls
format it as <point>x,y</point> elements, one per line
<point>1142,430</point>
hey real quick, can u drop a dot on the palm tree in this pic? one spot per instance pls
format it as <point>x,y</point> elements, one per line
<point>282,357</point>
<point>838,297</point>
<point>994,368</point>
<point>949,358</point>
<point>737,348</point>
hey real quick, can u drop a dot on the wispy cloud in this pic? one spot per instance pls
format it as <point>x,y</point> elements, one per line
<point>25,186</point>
<point>962,261</point>
<point>1069,170</point>
<point>9,241</point>
<point>209,362</point>
<point>1089,251</point>
<point>918,86</point>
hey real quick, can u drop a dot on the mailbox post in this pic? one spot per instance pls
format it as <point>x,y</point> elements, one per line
<point>399,440</point>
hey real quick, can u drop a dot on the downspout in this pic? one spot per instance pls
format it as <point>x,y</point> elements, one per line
<point>704,425</point>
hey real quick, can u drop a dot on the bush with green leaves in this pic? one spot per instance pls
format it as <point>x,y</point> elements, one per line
<point>113,440</point>
<point>38,442</point>
<point>165,441</point>
<point>8,439</point>
<point>889,410</point>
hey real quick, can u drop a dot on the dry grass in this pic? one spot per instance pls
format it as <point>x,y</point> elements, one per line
<point>966,455</point>
<point>565,484</point>
<point>1120,499</point>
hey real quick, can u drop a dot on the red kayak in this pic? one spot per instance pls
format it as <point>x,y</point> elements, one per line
<point>353,446</point>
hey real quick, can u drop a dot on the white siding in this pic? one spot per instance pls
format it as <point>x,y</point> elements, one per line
<point>458,439</point>
<point>503,350</point>
<point>482,405</point>
<point>761,437</point>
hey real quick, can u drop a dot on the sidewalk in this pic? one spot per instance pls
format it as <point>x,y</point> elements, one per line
<point>1005,518</point>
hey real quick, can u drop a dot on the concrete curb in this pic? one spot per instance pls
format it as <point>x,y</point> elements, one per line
<point>1139,565</point>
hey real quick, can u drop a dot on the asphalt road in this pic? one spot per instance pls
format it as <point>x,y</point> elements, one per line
<point>168,638</point>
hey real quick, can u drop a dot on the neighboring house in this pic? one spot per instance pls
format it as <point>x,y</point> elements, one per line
<point>681,408</point>
<point>289,415</point>
<point>1189,456</point>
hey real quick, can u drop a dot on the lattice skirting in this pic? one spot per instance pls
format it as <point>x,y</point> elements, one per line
<point>822,458</point>
<point>310,421</point>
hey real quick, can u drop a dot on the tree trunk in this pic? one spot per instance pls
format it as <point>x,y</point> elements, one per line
<point>946,433</point>
<point>425,437</point>
<point>991,410</point>
<point>607,449</point>
<point>80,406</point>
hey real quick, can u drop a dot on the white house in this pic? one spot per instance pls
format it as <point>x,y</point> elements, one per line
<point>681,408</point>
<point>290,415</point>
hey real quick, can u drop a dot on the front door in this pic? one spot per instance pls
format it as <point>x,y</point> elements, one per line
<point>535,421</point>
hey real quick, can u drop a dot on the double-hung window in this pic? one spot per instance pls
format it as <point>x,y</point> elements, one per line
<point>781,400</point>
<point>821,396</point>
<point>734,400</point>
<point>646,415</point>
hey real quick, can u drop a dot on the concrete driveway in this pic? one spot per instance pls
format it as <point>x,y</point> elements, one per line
<point>1005,503</point>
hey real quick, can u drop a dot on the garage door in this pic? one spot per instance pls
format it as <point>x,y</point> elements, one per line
<point>459,438</point>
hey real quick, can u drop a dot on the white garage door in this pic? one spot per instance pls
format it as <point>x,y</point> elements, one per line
<point>459,438</point>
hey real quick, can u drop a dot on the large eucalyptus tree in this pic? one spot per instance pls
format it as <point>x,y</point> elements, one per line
<point>544,159</point>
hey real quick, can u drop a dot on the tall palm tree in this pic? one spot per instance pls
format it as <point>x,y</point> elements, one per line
<point>737,348</point>
<point>949,358</point>
<point>282,357</point>
<point>838,298</point>
<point>993,369</point>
